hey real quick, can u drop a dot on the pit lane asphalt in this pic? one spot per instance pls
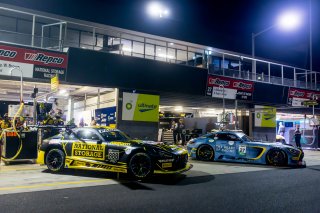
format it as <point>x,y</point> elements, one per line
<point>254,189</point>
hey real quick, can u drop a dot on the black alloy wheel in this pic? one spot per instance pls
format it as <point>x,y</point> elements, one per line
<point>205,153</point>
<point>140,166</point>
<point>55,160</point>
<point>276,157</point>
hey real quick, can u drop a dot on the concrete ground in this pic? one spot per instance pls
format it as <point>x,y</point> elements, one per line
<point>17,178</point>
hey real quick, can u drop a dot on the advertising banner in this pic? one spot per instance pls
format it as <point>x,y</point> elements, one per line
<point>106,116</point>
<point>229,88</point>
<point>296,97</point>
<point>33,63</point>
<point>265,116</point>
<point>26,112</point>
<point>140,107</point>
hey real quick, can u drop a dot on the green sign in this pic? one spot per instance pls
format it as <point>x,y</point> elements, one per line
<point>265,116</point>
<point>310,103</point>
<point>140,107</point>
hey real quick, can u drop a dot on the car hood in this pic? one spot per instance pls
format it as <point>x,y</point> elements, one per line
<point>160,145</point>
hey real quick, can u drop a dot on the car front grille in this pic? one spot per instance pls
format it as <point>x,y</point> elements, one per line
<point>180,161</point>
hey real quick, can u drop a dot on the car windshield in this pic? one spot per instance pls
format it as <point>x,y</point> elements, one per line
<point>113,135</point>
<point>243,136</point>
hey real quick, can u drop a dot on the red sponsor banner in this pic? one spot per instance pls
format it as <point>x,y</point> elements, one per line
<point>33,56</point>
<point>231,83</point>
<point>229,88</point>
<point>302,93</point>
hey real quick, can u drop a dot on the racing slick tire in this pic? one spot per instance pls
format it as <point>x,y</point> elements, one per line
<point>55,159</point>
<point>205,153</point>
<point>276,157</point>
<point>140,166</point>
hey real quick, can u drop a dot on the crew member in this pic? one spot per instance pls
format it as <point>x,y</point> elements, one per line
<point>174,129</point>
<point>181,132</point>
<point>5,123</point>
<point>297,136</point>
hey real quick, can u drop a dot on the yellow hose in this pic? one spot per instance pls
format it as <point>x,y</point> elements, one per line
<point>15,129</point>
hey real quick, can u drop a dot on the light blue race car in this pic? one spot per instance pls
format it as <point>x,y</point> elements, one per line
<point>237,147</point>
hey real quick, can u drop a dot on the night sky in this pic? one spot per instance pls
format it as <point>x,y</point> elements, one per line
<point>225,24</point>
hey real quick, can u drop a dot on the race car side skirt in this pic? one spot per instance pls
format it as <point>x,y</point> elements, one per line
<point>74,163</point>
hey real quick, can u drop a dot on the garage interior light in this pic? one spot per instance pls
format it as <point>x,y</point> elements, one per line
<point>178,108</point>
<point>127,49</point>
<point>162,55</point>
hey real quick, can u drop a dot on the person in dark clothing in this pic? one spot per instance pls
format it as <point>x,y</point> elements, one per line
<point>297,136</point>
<point>181,132</point>
<point>174,129</point>
<point>315,133</point>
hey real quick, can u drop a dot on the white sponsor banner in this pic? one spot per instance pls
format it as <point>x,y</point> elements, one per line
<point>298,101</point>
<point>219,92</point>
<point>7,66</point>
<point>129,105</point>
<point>26,112</point>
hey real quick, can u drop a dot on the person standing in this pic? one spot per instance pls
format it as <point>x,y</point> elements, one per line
<point>174,129</point>
<point>181,132</point>
<point>297,136</point>
<point>282,129</point>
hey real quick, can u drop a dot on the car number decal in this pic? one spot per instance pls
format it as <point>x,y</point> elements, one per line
<point>242,150</point>
<point>90,151</point>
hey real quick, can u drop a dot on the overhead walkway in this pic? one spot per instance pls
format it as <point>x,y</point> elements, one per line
<point>48,31</point>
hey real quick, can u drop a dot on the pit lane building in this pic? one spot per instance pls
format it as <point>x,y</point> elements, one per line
<point>140,82</point>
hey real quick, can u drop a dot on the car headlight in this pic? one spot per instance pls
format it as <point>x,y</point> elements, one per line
<point>294,151</point>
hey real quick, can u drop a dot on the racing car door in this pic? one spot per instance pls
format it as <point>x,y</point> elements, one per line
<point>225,145</point>
<point>90,146</point>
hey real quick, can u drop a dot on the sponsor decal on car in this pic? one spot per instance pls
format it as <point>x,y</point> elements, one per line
<point>120,143</point>
<point>231,143</point>
<point>166,165</point>
<point>113,155</point>
<point>90,151</point>
<point>97,166</point>
<point>166,160</point>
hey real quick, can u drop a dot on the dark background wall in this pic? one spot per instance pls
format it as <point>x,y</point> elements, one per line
<point>270,93</point>
<point>112,70</point>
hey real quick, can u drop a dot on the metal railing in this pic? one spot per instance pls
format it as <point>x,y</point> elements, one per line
<point>45,32</point>
<point>261,77</point>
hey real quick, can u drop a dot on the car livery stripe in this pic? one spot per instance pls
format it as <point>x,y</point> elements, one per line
<point>80,159</point>
<point>260,155</point>
<point>75,163</point>
<point>297,158</point>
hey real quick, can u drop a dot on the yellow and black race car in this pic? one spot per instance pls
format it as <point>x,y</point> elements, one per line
<point>110,150</point>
